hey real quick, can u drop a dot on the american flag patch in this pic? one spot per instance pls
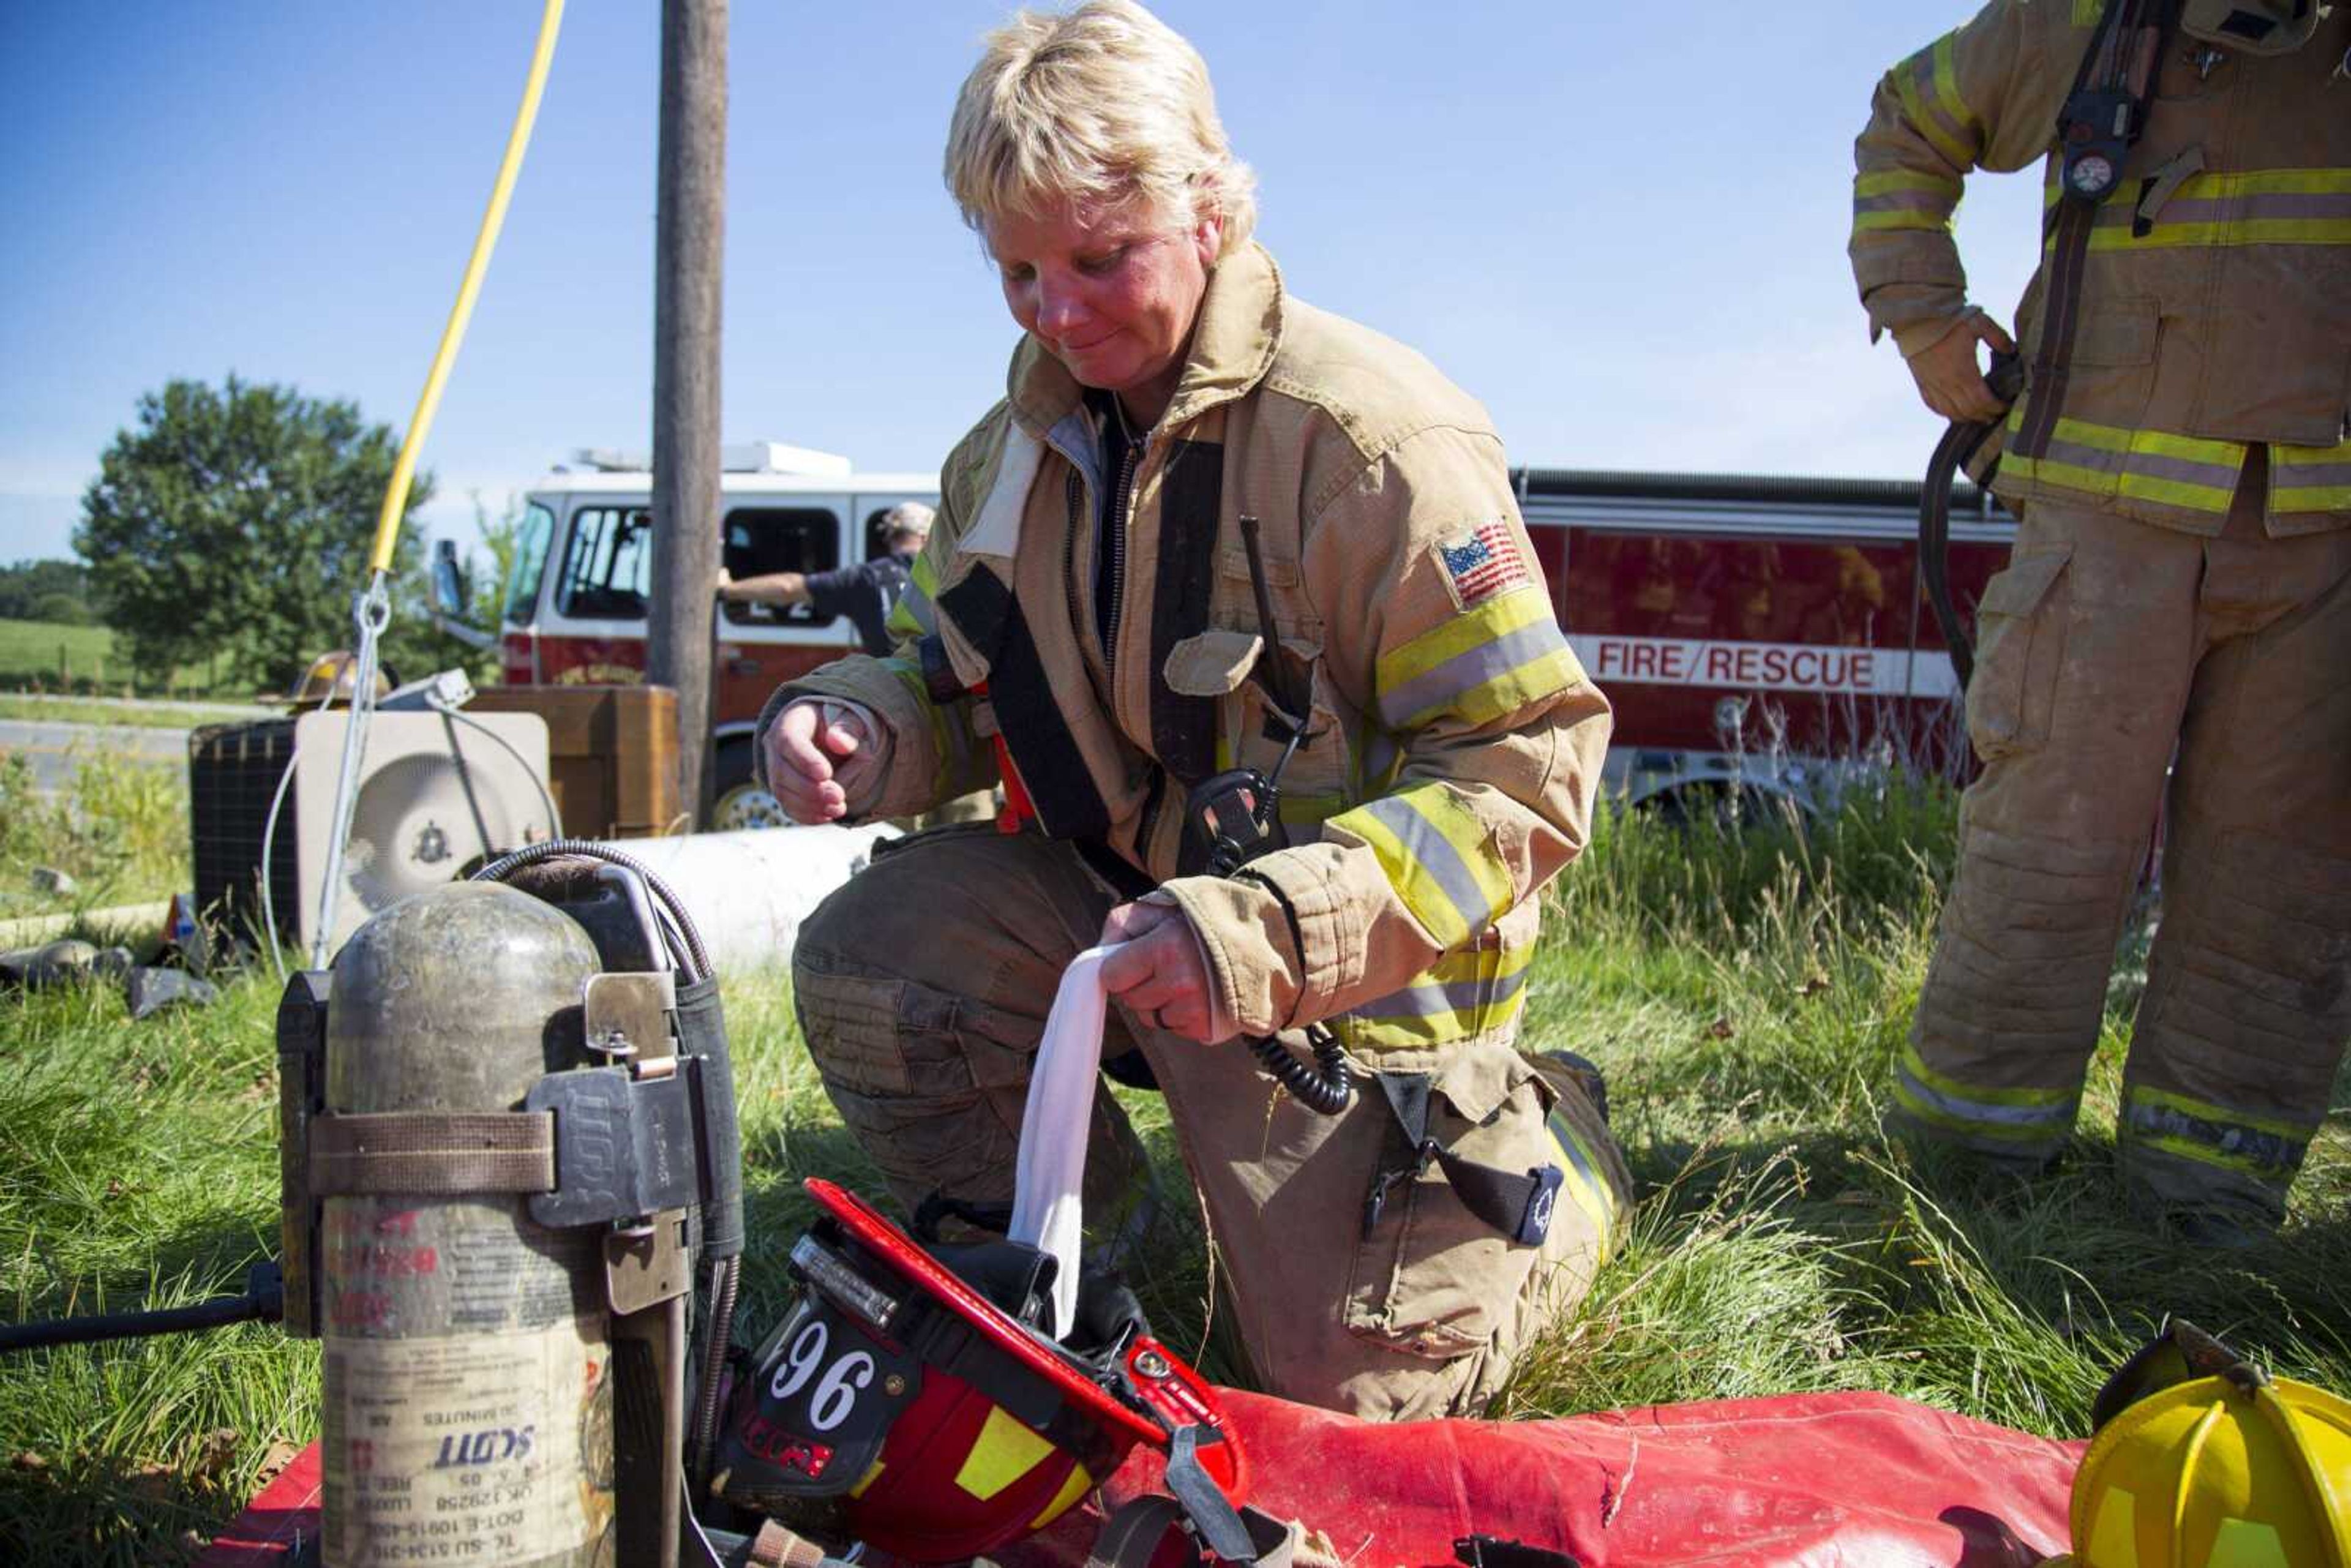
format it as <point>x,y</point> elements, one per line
<point>1483,562</point>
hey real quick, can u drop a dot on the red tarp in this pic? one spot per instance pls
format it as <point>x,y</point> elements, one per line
<point>1855,1480</point>
<point>1813,1480</point>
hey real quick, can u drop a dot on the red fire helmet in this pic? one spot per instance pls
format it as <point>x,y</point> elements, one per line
<point>898,1406</point>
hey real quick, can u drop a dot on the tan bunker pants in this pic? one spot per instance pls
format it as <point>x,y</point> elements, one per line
<point>922,989</point>
<point>2103,642</point>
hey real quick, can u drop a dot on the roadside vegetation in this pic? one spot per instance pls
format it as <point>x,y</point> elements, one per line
<point>1744,982</point>
<point>119,832</point>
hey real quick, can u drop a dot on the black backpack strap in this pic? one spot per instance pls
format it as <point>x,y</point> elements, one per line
<point>2116,78</point>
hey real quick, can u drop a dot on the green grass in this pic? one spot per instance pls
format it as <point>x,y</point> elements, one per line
<point>116,711</point>
<point>1745,992</point>
<point>121,832</point>
<point>46,656</point>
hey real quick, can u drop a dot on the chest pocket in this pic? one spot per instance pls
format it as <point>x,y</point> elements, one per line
<point>1255,718</point>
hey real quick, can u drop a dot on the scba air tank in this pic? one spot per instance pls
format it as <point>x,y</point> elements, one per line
<point>468,1406</point>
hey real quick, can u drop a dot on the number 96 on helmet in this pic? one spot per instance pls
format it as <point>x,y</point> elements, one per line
<point>898,1406</point>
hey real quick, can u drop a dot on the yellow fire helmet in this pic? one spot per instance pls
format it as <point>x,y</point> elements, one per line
<point>2252,27</point>
<point>2202,1460</point>
<point>337,673</point>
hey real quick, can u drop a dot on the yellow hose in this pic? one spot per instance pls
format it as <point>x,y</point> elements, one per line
<point>403,472</point>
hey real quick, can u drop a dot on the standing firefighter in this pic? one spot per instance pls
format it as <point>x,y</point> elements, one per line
<point>1384,643</point>
<point>2180,463</point>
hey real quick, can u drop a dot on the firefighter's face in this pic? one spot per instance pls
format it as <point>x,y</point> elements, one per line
<point>1111,292</point>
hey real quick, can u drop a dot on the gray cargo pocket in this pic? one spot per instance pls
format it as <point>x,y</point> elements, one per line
<point>1430,1278</point>
<point>2019,645</point>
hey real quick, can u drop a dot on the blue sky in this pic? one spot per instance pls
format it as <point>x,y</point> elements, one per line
<point>1622,227</point>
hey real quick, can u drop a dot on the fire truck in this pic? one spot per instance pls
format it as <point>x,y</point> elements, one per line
<point>1761,637</point>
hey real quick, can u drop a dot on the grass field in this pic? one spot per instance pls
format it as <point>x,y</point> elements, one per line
<point>1744,989</point>
<point>43,656</point>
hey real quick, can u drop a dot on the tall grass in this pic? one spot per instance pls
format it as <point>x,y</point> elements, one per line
<point>119,832</point>
<point>1744,985</point>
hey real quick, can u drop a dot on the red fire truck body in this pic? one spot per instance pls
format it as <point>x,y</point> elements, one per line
<point>1755,634</point>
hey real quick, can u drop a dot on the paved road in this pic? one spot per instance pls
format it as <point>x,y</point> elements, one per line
<point>56,750</point>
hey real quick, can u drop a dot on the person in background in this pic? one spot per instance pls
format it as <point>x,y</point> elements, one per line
<point>865,592</point>
<point>1436,743</point>
<point>2179,462</point>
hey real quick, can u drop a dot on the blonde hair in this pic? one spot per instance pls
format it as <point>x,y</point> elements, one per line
<point>1105,102</point>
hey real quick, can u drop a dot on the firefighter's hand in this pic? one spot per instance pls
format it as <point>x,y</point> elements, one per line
<point>1948,377</point>
<point>813,764</point>
<point>1158,972</point>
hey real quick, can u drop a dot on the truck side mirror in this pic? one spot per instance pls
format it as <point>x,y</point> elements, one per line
<point>449,585</point>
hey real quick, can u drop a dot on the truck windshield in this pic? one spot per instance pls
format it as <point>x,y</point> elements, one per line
<point>531,539</point>
<point>607,564</point>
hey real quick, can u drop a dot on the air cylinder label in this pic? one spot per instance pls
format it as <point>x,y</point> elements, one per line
<point>458,1451</point>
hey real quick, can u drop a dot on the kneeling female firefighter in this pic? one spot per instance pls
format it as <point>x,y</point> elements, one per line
<point>1364,709</point>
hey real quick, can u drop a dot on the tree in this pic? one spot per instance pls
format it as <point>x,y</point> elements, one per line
<point>237,522</point>
<point>52,590</point>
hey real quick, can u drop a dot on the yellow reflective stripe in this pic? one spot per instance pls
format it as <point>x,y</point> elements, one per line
<point>2113,438</point>
<point>1479,666</point>
<point>948,742</point>
<point>2266,183</point>
<point>1880,223</point>
<point>2143,453</point>
<point>2237,232</point>
<point>2099,482</point>
<point>2206,1154</point>
<point>2310,478</point>
<point>911,616</point>
<point>1886,182</point>
<point>2311,498</point>
<point>1463,634</point>
<point>2021,1098</point>
<point>1432,848</point>
<point>1076,1487</point>
<point>1004,1451</point>
<point>872,1473</point>
<point>1925,118</point>
<point>1416,1029</point>
<point>1462,994</point>
<point>1586,1194</point>
<point>1947,87</point>
<point>2207,1111</point>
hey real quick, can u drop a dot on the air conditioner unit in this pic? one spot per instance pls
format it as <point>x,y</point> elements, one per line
<point>435,797</point>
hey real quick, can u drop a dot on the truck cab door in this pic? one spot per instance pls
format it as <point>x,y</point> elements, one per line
<point>762,645</point>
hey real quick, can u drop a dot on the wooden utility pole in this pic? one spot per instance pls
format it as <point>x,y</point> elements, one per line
<point>690,232</point>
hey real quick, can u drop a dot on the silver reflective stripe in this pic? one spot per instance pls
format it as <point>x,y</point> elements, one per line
<point>917,605</point>
<point>2272,1151</point>
<point>1435,854</point>
<point>1434,1000</point>
<point>1938,204</point>
<point>2056,1117</point>
<point>2289,476</point>
<point>1465,672</point>
<point>1074,438</point>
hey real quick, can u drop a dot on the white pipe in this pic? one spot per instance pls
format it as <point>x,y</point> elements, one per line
<point>749,891</point>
